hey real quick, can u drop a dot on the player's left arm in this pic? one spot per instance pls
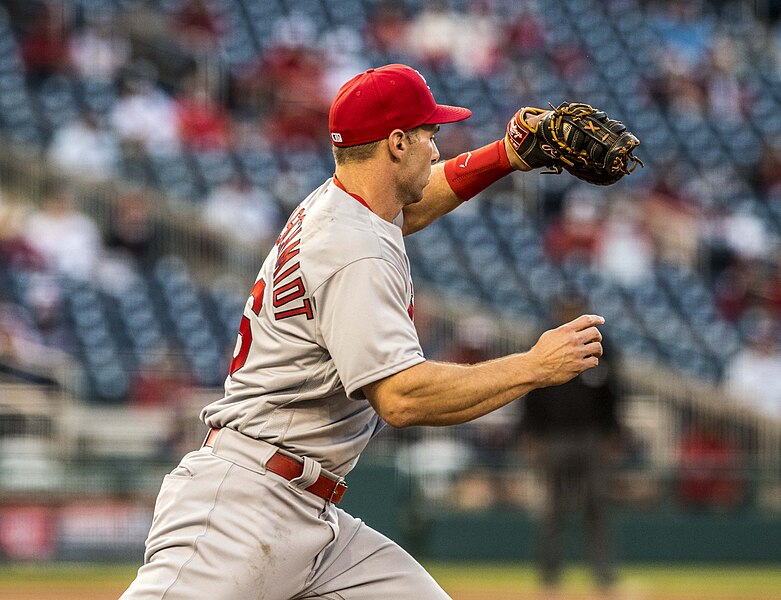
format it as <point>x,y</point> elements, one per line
<point>456,180</point>
<point>573,136</point>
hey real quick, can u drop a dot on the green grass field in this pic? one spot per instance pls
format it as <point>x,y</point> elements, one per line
<point>635,583</point>
<point>464,581</point>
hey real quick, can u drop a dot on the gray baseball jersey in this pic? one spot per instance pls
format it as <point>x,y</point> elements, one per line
<point>330,311</point>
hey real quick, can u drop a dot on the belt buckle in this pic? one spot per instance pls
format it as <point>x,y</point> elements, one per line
<point>338,492</point>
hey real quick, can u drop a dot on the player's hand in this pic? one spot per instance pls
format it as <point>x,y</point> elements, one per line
<point>520,140</point>
<point>563,353</point>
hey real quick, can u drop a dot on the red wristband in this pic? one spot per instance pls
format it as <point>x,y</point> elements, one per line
<point>470,173</point>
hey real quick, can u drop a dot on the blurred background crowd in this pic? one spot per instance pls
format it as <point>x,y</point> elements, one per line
<point>151,151</point>
<point>221,106</point>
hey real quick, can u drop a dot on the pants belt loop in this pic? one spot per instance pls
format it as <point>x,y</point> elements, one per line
<point>310,474</point>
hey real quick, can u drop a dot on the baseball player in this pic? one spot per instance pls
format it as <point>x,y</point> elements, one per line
<point>326,355</point>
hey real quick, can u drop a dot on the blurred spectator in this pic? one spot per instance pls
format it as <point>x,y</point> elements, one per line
<point>684,29</point>
<point>344,57</point>
<point>15,251</point>
<point>162,380</point>
<point>573,436</point>
<point>767,177</point>
<point>99,50</point>
<point>751,376</point>
<point>746,287</point>
<point>771,288</point>
<point>43,298</point>
<point>244,212</point>
<point>202,124</point>
<point>44,45</point>
<point>728,96</point>
<point>143,114</point>
<point>677,88</point>
<point>471,42</point>
<point>575,233</point>
<point>83,148</point>
<point>67,238</point>
<point>22,357</point>
<point>481,41</point>
<point>740,253</point>
<point>734,289</point>
<point>673,221</point>
<point>475,340</point>
<point>708,469</point>
<point>386,30</point>
<point>247,97</point>
<point>287,88</point>
<point>131,245</point>
<point>196,26</point>
<point>526,33</point>
<point>132,231</point>
<point>298,111</point>
<point>625,252</point>
<point>746,235</point>
<point>433,35</point>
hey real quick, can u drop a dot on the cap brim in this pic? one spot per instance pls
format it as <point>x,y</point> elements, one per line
<point>448,114</point>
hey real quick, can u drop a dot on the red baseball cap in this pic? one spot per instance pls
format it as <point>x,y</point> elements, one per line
<point>374,103</point>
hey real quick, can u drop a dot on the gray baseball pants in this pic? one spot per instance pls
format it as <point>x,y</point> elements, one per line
<point>225,528</point>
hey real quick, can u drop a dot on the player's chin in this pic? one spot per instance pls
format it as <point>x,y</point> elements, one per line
<point>415,198</point>
<point>419,195</point>
<point>413,195</point>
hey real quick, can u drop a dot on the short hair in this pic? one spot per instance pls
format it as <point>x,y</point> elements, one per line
<point>361,152</point>
<point>353,154</point>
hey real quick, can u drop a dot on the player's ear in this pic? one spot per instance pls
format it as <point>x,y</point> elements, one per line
<point>397,144</point>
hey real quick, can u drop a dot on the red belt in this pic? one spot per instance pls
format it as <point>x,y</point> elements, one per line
<point>289,468</point>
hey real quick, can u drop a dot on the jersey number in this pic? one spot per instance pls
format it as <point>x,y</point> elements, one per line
<point>245,329</point>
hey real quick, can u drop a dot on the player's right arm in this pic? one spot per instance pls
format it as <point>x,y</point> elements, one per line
<point>436,393</point>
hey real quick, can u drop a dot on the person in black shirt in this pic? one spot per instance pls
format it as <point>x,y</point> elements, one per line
<point>573,434</point>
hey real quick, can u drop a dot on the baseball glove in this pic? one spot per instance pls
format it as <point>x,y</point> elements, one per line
<point>577,138</point>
